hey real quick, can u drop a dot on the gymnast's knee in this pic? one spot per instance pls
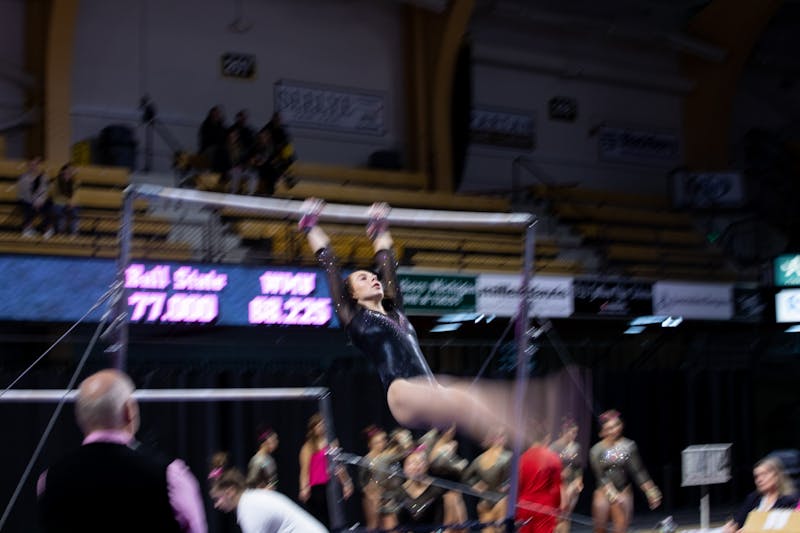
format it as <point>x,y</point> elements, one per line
<point>400,404</point>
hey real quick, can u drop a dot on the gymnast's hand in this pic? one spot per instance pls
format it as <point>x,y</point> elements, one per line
<point>310,210</point>
<point>378,221</point>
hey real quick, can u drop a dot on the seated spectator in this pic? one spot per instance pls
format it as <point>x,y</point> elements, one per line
<point>246,133</point>
<point>774,490</point>
<point>62,191</point>
<point>235,165</point>
<point>212,134</point>
<point>34,199</point>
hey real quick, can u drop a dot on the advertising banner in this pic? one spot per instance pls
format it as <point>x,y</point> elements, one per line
<point>326,107</point>
<point>437,294</point>
<point>613,297</point>
<point>503,127</point>
<point>711,301</point>
<point>628,145</point>
<point>787,305</point>
<point>499,294</point>
<point>787,270</point>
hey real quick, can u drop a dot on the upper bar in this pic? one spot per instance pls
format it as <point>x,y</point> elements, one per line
<point>291,209</point>
<point>174,395</point>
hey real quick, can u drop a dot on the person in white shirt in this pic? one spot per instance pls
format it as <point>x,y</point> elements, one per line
<point>259,510</point>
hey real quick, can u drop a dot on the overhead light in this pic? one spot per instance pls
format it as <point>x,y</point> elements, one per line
<point>793,329</point>
<point>634,330</point>
<point>460,317</point>
<point>648,320</point>
<point>672,322</point>
<point>441,328</point>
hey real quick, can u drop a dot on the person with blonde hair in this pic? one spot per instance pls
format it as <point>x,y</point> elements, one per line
<point>774,490</point>
<point>258,510</point>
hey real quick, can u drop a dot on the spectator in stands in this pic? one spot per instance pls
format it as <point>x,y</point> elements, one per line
<point>262,160</point>
<point>258,510</point>
<point>539,499</point>
<point>110,483</point>
<point>774,490</point>
<point>283,149</point>
<point>63,192</point>
<point>235,165</point>
<point>262,472</point>
<point>246,133</point>
<point>34,198</point>
<point>212,134</point>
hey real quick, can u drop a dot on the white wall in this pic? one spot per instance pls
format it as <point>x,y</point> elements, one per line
<point>611,87</point>
<point>171,50</point>
<point>12,61</point>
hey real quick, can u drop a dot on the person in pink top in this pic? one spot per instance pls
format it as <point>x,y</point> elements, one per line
<point>314,476</point>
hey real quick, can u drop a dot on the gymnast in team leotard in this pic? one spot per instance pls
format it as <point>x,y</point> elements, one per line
<point>370,309</point>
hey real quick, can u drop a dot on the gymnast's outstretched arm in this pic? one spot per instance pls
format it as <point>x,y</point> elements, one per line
<point>320,244</point>
<point>385,260</point>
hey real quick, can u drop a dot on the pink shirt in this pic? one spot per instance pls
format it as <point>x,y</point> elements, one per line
<point>182,486</point>
<point>318,468</point>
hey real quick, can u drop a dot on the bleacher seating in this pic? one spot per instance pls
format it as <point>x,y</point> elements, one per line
<point>637,234</point>
<point>455,249</point>
<point>99,199</point>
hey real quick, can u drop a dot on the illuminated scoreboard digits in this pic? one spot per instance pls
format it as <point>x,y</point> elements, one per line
<point>179,307</point>
<point>299,308</point>
<point>168,296</point>
<point>169,293</point>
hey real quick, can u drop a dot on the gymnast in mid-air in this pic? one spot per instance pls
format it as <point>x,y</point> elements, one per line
<point>370,307</point>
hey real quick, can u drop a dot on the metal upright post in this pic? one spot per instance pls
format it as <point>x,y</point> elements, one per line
<point>119,348</point>
<point>335,511</point>
<point>523,358</point>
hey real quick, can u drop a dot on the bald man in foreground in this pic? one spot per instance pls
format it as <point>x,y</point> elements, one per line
<point>108,484</point>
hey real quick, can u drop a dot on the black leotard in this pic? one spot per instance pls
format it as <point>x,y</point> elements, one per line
<point>388,340</point>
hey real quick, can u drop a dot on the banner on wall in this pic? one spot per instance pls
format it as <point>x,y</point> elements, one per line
<point>712,301</point>
<point>437,294</point>
<point>327,107</point>
<point>787,270</point>
<point>749,304</point>
<point>627,145</point>
<point>502,127</point>
<point>787,305</point>
<point>705,190</point>
<point>613,297</point>
<point>550,296</point>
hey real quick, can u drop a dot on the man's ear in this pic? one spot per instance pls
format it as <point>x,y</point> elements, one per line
<point>132,416</point>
